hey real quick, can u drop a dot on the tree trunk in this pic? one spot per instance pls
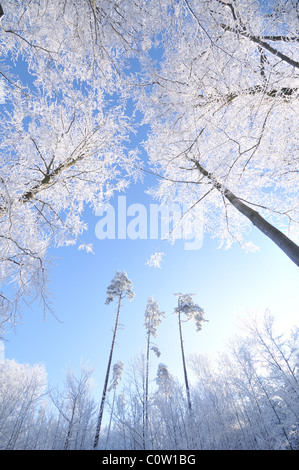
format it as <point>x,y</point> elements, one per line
<point>99,422</point>
<point>145,430</point>
<point>184,366</point>
<point>282,241</point>
<point>110,420</point>
<point>71,422</point>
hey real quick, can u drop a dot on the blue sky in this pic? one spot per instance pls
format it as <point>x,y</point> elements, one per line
<point>227,283</point>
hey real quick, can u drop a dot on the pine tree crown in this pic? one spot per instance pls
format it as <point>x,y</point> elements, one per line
<point>120,286</point>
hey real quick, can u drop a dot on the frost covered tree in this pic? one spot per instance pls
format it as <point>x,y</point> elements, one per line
<point>164,380</point>
<point>22,388</point>
<point>247,397</point>
<point>129,410</point>
<point>278,355</point>
<point>64,130</point>
<point>119,288</point>
<point>216,82</point>
<point>117,373</point>
<point>171,420</point>
<point>76,408</point>
<point>193,312</point>
<point>222,104</point>
<point>153,318</point>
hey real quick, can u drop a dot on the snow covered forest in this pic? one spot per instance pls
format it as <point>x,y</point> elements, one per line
<point>246,398</point>
<point>95,95</point>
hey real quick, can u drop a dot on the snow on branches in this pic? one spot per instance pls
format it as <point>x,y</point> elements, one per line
<point>190,309</point>
<point>216,83</point>
<point>120,286</point>
<point>117,373</point>
<point>153,316</point>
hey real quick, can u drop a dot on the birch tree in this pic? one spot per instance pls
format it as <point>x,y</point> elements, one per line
<point>119,288</point>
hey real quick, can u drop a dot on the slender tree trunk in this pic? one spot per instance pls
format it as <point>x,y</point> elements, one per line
<point>145,430</point>
<point>184,366</point>
<point>191,430</point>
<point>110,420</point>
<point>99,422</point>
<point>282,241</point>
<point>69,432</point>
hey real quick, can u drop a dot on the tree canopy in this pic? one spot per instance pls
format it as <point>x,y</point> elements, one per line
<point>216,83</point>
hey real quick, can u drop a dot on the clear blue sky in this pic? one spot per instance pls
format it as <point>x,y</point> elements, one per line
<point>226,284</point>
